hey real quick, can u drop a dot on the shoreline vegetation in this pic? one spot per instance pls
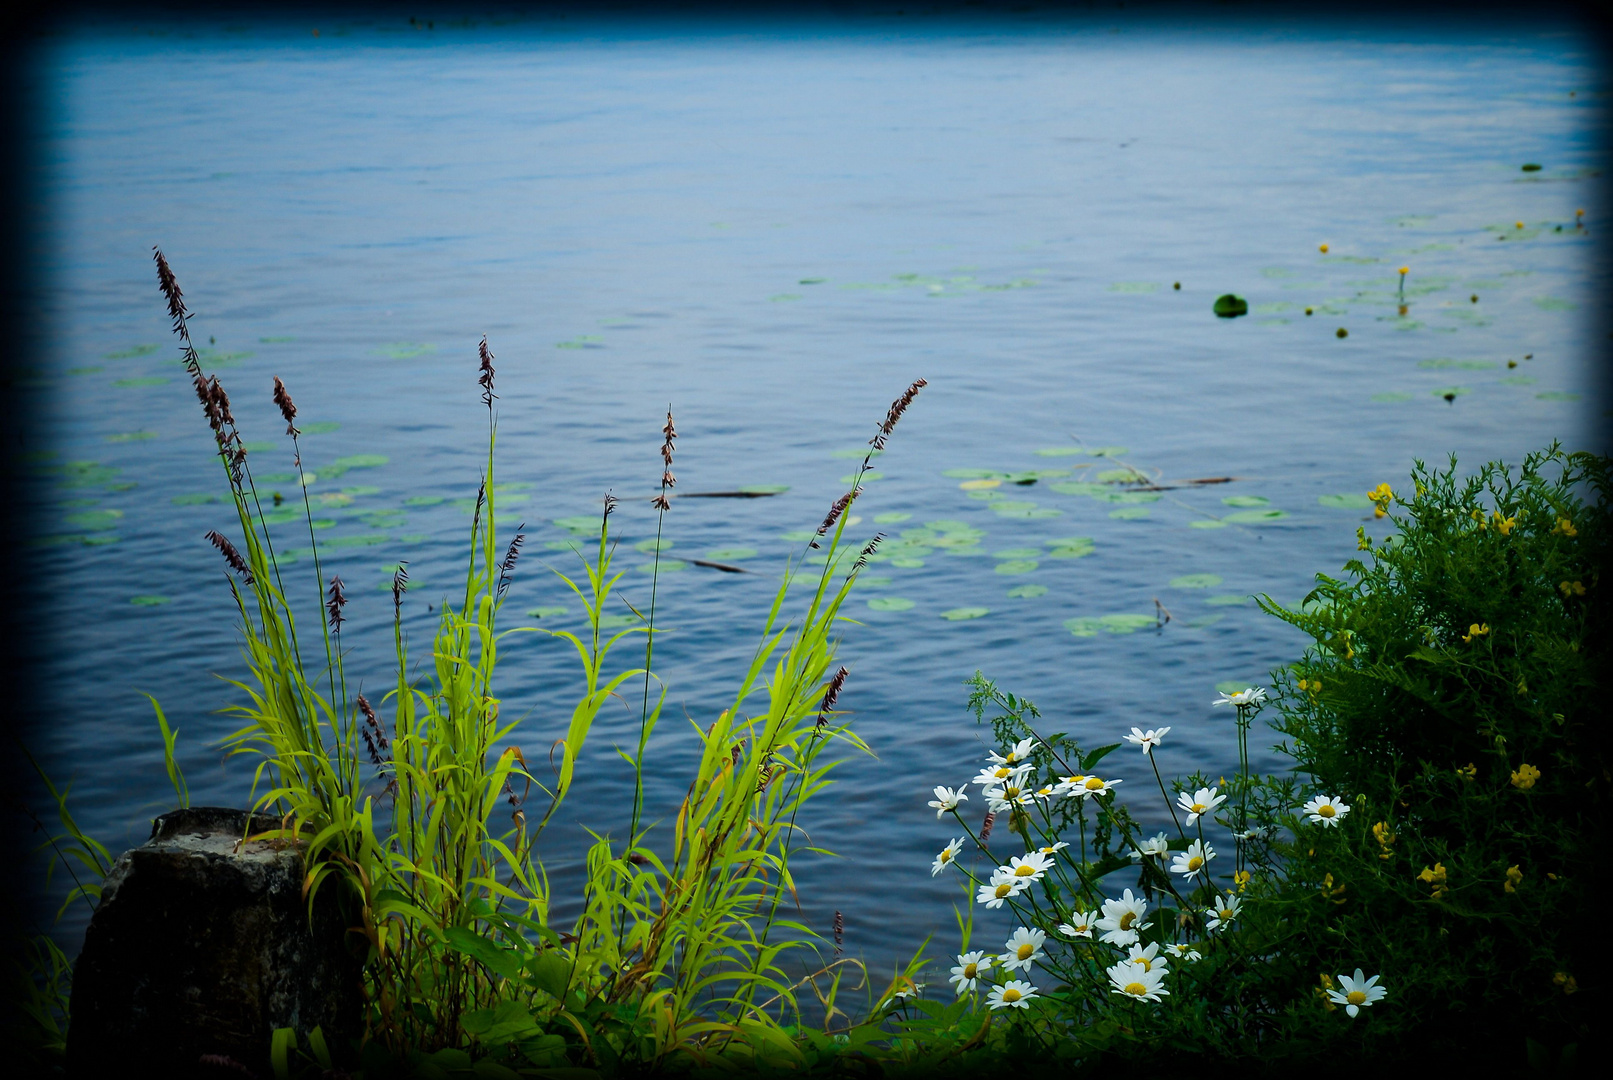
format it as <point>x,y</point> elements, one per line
<point>1418,884</point>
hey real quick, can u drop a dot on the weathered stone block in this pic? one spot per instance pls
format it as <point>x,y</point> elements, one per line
<point>203,946</point>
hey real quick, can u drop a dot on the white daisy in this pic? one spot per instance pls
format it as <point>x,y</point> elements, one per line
<point>1158,845</point>
<point>1325,810</point>
<point>999,775</point>
<point>1148,958</point>
<point>1122,919</point>
<point>944,859</point>
<point>1022,750</point>
<point>1005,798</point>
<point>1147,739</point>
<point>1023,948</point>
<point>1203,801</point>
<point>1092,785</point>
<point>1194,861</point>
<point>1081,924</point>
<point>1002,885</point>
<point>1029,868</point>
<point>947,799</point>
<point>1252,696</point>
<point>1129,980</point>
<point>1225,911</point>
<point>1044,792</point>
<point>971,966</point>
<point>1013,993</point>
<point>1068,784</point>
<point>1183,952</point>
<point>1051,848</point>
<point>1357,992</point>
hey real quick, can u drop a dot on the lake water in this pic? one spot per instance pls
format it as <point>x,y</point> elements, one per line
<point>775,228</point>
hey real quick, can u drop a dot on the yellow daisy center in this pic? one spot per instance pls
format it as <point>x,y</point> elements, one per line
<point>1144,963</point>
<point>971,971</point>
<point>1011,994</point>
<point>946,856</point>
<point>1198,808</point>
<point>1356,997</point>
<point>1326,810</point>
<point>1127,919</point>
<point>1136,989</point>
<point>1194,863</point>
<point>1004,889</point>
<point>1093,783</point>
<point>1024,870</point>
<point>1025,951</point>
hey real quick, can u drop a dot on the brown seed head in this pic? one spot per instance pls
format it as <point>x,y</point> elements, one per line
<point>337,599</point>
<point>511,554</point>
<point>231,556</point>
<point>170,289</point>
<point>486,378</point>
<point>985,826</point>
<point>898,407</point>
<point>400,585</point>
<point>610,504</point>
<point>834,513</point>
<point>868,549</point>
<point>288,408</point>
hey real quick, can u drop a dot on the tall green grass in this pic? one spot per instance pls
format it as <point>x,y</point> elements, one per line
<point>685,949</point>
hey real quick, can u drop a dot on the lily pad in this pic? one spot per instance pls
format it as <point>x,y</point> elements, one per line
<point>95,520</point>
<point>1246,500</point>
<point>1130,513</point>
<point>872,474</point>
<point>872,581</point>
<point>1134,287</point>
<point>617,622</point>
<point>147,380</point>
<point>1445,363</point>
<point>1557,395</point>
<point>547,612</point>
<point>1078,487</point>
<point>1107,451</point>
<point>1017,566</point>
<point>1229,306</point>
<point>980,485</point>
<point>422,500</point>
<point>320,427</point>
<point>973,474</point>
<point>1227,600</point>
<point>1034,513</point>
<point>795,536</point>
<point>1059,451</point>
<point>361,461</point>
<point>1255,517</point>
<point>1116,476</point>
<point>652,544</point>
<point>148,601</point>
<point>961,614</point>
<point>1449,392</point>
<point>404,350</point>
<point>1345,502</point>
<point>1018,553</point>
<point>1393,397</point>
<point>1130,496</point>
<point>1027,592</point>
<point>907,562</point>
<point>731,554</point>
<point>1553,303</point>
<point>564,545</point>
<point>130,354</point>
<point>1196,581</point>
<point>891,517</point>
<point>580,523</point>
<point>890,603</point>
<point>1207,523</point>
<point>368,540</point>
<point>949,525</point>
<point>665,566</point>
<point>132,436</point>
<point>1518,380</point>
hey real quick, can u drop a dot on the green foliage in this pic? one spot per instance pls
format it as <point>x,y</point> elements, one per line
<point>1455,698</point>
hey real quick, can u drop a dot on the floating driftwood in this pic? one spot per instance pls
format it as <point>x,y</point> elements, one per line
<point>724,567</point>
<point>723,494</point>
<point>1186,483</point>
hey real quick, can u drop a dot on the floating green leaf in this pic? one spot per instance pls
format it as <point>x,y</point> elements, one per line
<point>132,436</point>
<point>1553,303</point>
<point>369,540</point>
<point>731,554</point>
<point>276,340</point>
<point>1018,553</point>
<point>949,525</point>
<point>1345,502</point>
<point>1445,363</point>
<point>1207,523</point>
<point>147,380</point>
<point>422,500</point>
<point>872,581</point>
<point>1246,500</point>
<point>872,474</point>
<point>1557,395</point>
<point>616,622</point>
<point>1196,581</point>
<point>130,354</point>
<point>652,544</point>
<point>95,520</point>
<point>796,536</point>
<point>1229,306</point>
<point>1227,600</point>
<point>581,523</point>
<point>1448,392</point>
<point>961,614</point>
<point>667,566</point>
<point>320,427</point>
<point>1116,476</point>
<point>891,517</point>
<point>193,500</point>
<point>1017,566</point>
<point>1134,287</point>
<point>1255,517</point>
<point>889,603</point>
<point>1130,513</point>
<point>907,562</point>
<point>1130,497</point>
<point>148,601</point>
<point>1393,397</point>
<point>547,612</point>
<point>1107,451</point>
<point>1518,380</point>
<point>1078,487</point>
<point>1027,592</point>
<point>361,461</point>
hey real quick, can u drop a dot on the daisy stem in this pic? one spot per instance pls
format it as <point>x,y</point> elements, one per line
<point>1168,805</point>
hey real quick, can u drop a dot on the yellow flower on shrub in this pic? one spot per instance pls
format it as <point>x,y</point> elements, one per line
<point>1566,981</point>
<point>1362,542</point>
<point>1571,588</point>
<point>1565,527</point>
<point>1514,878</point>
<point>1525,776</point>
<point>1503,525</point>
<point>1476,630</point>
<point>1435,879</point>
<point>1469,772</point>
<point>1385,838</point>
